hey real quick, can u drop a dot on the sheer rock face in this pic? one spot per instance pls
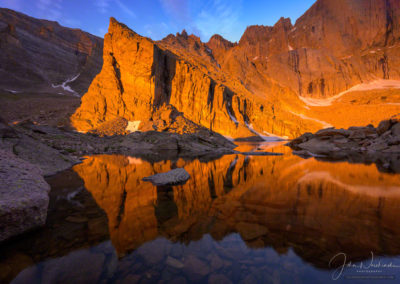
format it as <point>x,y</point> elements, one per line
<point>36,54</point>
<point>333,46</point>
<point>140,77</point>
<point>252,87</point>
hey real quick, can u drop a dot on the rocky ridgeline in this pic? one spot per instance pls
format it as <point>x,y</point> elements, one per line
<point>368,142</point>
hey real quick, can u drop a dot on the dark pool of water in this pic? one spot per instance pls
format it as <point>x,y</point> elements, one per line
<point>258,219</point>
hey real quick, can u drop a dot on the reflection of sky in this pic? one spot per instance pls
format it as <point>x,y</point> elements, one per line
<point>158,18</point>
<point>229,256</point>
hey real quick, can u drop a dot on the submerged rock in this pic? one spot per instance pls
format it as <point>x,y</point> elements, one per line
<point>23,196</point>
<point>173,177</point>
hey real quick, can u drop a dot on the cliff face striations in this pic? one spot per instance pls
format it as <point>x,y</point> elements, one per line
<point>280,80</point>
<point>42,56</point>
<point>142,80</point>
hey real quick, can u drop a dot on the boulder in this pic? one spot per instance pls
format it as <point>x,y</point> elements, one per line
<point>396,129</point>
<point>6,131</point>
<point>357,134</point>
<point>23,196</point>
<point>317,146</point>
<point>332,132</point>
<point>172,177</point>
<point>383,127</point>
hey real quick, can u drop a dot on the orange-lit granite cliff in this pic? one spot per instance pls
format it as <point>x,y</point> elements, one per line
<point>140,78</point>
<point>335,45</point>
<point>264,85</point>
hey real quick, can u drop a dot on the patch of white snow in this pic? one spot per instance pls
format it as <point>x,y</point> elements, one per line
<point>374,85</point>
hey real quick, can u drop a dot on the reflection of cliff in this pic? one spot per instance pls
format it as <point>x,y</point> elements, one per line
<point>317,208</point>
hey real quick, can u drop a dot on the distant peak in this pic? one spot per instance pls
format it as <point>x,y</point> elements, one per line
<point>184,34</point>
<point>117,27</point>
<point>217,39</point>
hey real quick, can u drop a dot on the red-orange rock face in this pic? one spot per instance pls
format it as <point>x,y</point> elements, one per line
<point>140,76</point>
<point>257,86</point>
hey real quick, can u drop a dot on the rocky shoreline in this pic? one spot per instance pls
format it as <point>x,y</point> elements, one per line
<point>380,145</point>
<point>28,152</point>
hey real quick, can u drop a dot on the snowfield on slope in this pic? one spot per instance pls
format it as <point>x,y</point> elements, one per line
<point>374,85</point>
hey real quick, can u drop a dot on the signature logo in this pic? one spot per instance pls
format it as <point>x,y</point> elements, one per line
<point>369,267</point>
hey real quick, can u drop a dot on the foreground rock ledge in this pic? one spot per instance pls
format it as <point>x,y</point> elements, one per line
<point>172,177</point>
<point>383,139</point>
<point>366,145</point>
<point>23,196</point>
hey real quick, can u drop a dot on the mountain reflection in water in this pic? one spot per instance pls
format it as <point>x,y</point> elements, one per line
<point>241,218</point>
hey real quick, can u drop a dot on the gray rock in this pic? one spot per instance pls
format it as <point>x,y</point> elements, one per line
<point>396,129</point>
<point>23,196</point>
<point>317,146</point>
<point>6,131</point>
<point>383,127</point>
<point>172,177</point>
<point>331,132</point>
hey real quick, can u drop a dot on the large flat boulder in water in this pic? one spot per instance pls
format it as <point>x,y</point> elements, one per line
<point>172,177</point>
<point>24,196</point>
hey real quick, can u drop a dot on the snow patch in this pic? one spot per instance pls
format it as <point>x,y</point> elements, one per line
<point>232,117</point>
<point>66,87</point>
<point>290,47</point>
<point>255,58</point>
<point>229,138</point>
<point>134,161</point>
<point>270,138</point>
<point>374,85</point>
<point>12,91</point>
<point>133,126</point>
<point>323,123</point>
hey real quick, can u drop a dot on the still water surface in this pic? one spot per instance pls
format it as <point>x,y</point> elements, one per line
<point>238,219</point>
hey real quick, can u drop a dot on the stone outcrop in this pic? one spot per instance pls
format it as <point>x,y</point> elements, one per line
<point>42,56</point>
<point>172,177</point>
<point>343,143</point>
<point>24,196</point>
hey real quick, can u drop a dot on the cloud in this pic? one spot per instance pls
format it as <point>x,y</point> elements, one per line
<point>125,9</point>
<point>12,4</point>
<point>178,9</point>
<point>50,9</point>
<point>204,18</point>
<point>102,5</point>
<point>219,16</point>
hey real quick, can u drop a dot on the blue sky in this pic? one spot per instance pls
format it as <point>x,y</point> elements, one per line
<point>158,18</point>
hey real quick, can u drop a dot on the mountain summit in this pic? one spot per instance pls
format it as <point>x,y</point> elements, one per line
<point>268,84</point>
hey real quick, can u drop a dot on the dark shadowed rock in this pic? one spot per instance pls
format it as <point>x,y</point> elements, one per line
<point>396,129</point>
<point>23,196</point>
<point>175,176</point>
<point>383,127</point>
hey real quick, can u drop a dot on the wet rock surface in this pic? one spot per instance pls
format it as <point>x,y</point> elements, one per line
<point>23,196</point>
<point>55,149</point>
<point>380,145</point>
<point>172,177</point>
